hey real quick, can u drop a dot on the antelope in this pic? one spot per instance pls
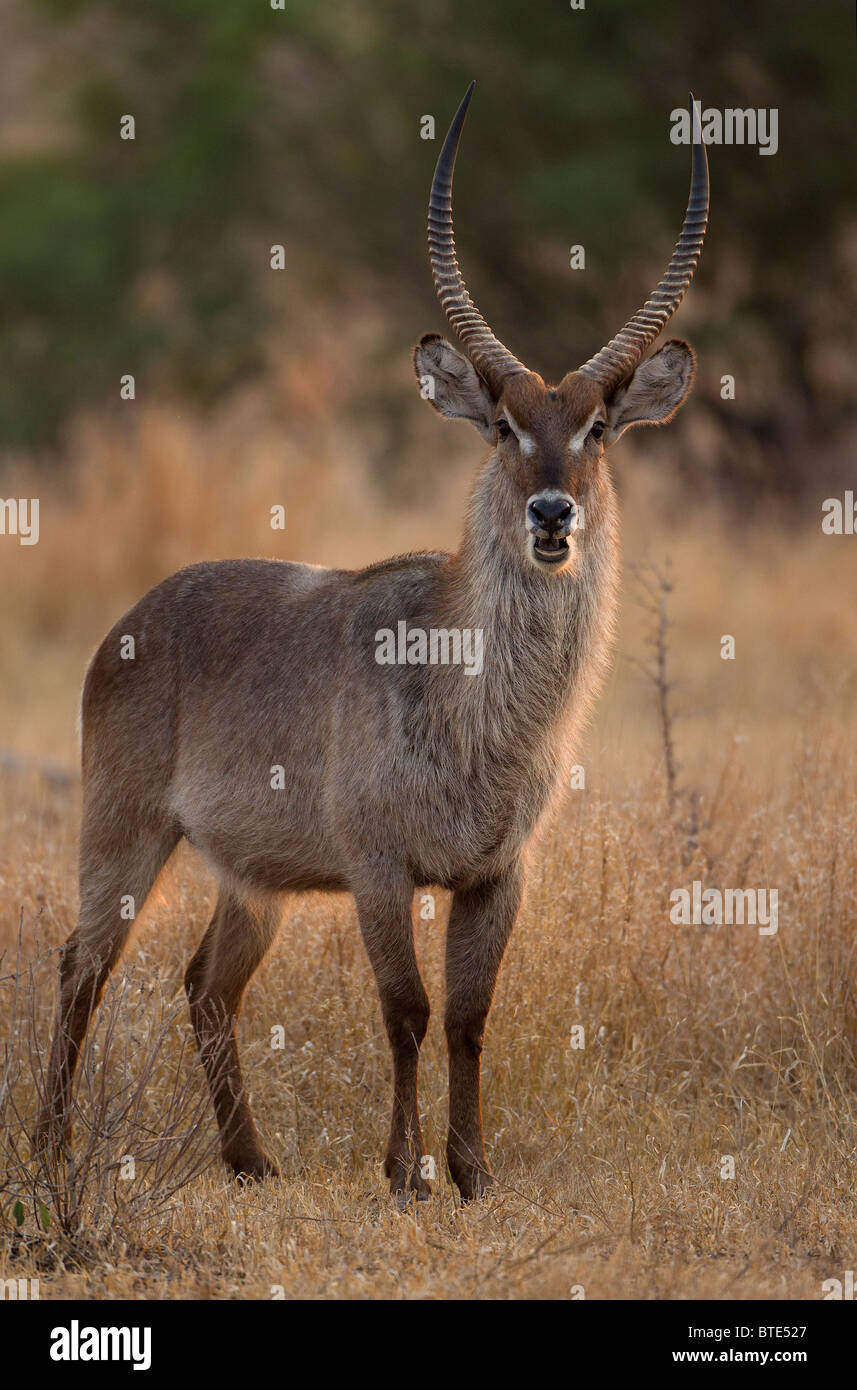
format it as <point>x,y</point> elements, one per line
<point>396,776</point>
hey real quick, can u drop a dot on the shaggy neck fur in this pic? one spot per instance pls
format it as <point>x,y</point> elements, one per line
<point>546,636</point>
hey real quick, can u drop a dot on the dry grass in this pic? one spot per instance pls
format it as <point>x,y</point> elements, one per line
<point>700,1042</point>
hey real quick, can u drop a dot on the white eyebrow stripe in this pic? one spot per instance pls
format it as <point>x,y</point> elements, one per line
<point>576,441</point>
<point>526,441</point>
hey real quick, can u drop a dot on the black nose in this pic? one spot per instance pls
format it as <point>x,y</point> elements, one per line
<point>551,513</point>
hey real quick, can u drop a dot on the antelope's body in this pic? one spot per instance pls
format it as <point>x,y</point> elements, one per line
<point>441,775</point>
<point>256,721</point>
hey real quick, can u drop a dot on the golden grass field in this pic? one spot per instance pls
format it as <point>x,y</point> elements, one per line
<point>700,1042</point>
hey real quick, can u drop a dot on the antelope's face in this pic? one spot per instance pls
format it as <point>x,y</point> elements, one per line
<point>551,440</point>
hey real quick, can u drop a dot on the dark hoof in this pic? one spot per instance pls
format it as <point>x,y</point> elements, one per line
<point>254,1167</point>
<point>407,1200</point>
<point>51,1140</point>
<point>474,1183</point>
<point>406,1184</point>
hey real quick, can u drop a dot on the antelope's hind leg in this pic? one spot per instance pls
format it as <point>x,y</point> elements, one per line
<point>120,858</point>
<point>237,939</point>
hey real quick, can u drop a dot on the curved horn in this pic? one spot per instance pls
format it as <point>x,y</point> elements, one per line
<point>487,353</point>
<point>615,362</point>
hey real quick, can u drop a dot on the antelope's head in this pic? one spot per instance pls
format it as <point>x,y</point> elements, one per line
<point>551,441</point>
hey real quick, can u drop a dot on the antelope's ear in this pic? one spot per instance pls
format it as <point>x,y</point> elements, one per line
<point>656,390</point>
<point>451,383</point>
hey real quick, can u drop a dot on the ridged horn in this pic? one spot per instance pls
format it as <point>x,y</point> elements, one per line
<point>491,359</point>
<point>615,362</point>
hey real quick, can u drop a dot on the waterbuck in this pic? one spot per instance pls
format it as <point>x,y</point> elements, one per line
<point>396,774</point>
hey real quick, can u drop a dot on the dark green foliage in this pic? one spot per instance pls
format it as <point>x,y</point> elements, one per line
<point>301,126</point>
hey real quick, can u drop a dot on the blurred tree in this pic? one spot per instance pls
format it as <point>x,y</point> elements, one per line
<point>301,125</point>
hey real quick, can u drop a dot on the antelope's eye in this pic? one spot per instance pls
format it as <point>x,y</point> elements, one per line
<point>597,429</point>
<point>504,429</point>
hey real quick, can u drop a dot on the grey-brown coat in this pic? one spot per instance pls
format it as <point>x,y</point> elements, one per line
<point>256,720</point>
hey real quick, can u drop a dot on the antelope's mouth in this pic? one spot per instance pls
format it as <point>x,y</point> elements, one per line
<point>550,550</point>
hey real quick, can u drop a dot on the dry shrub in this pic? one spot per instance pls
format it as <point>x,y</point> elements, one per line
<point>142,1128</point>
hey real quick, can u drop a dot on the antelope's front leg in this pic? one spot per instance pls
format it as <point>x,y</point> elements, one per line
<point>479,925</point>
<point>384,912</point>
